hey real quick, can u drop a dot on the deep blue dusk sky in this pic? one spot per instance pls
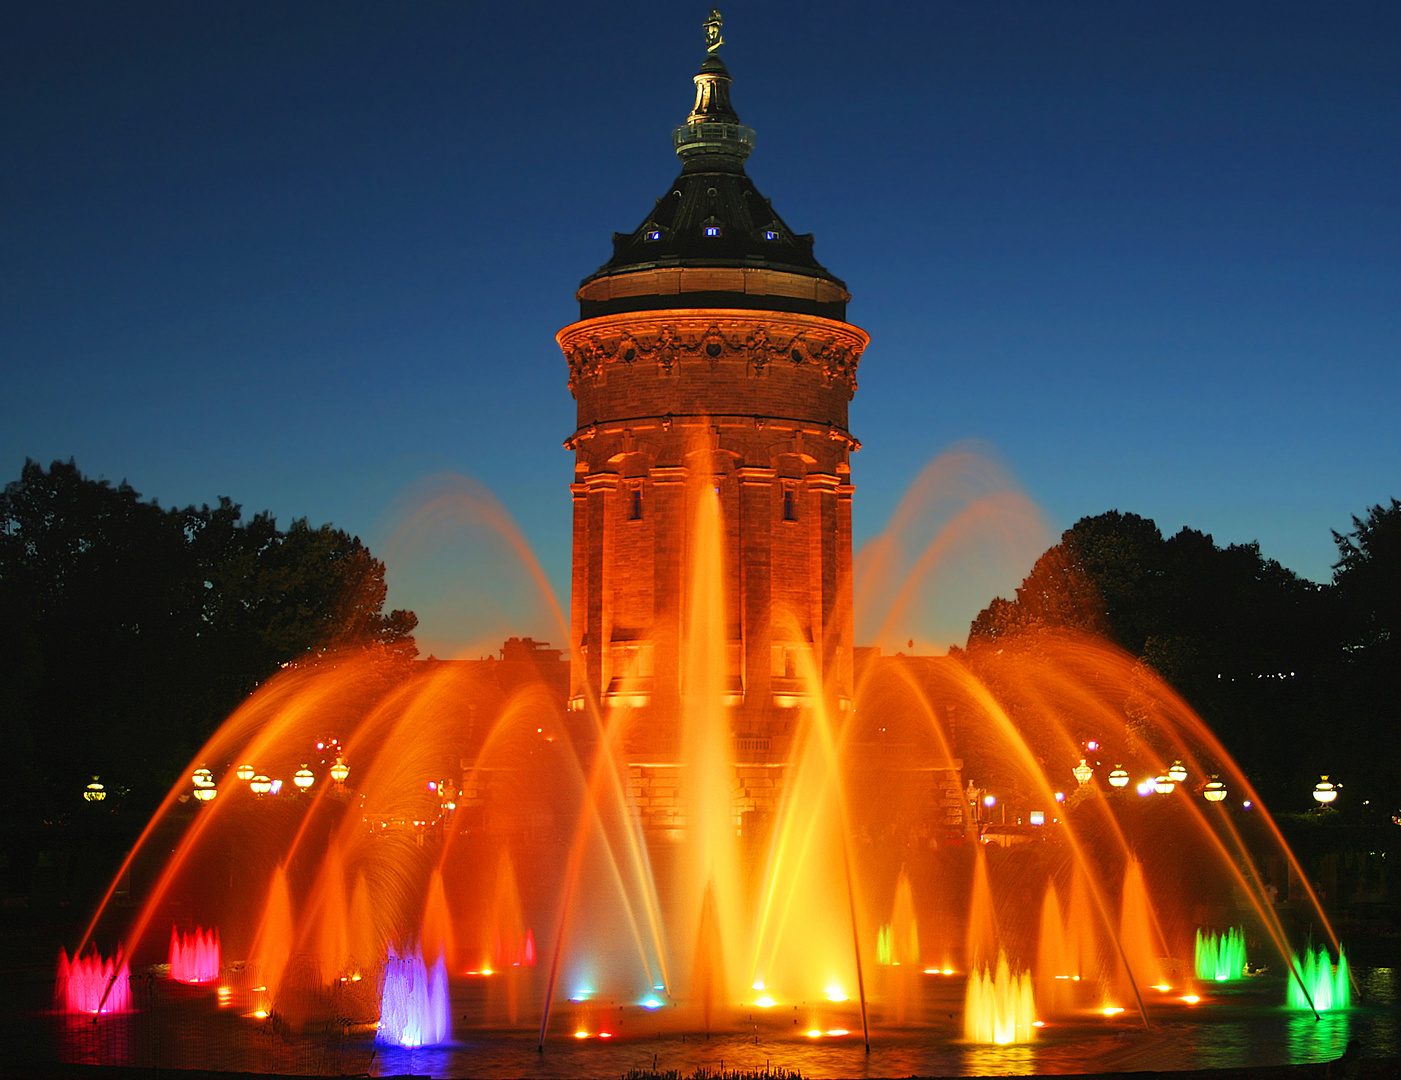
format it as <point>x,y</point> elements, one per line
<point>312,255</point>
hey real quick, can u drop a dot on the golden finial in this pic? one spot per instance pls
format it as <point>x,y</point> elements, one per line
<point>713,40</point>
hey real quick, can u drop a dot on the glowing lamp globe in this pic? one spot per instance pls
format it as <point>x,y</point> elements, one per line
<point>1178,772</point>
<point>1325,792</point>
<point>203,778</point>
<point>244,773</point>
<point>339,771</point>
<point>94,792</point>
<point>1214,791</point>
<point>1083,772</point>
<point>260,784</point>
<point>204,794</point>
<point>303,778</point>
<point>1119,777</point>
<point>1165,783</point>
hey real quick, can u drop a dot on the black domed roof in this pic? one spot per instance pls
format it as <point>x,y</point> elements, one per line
<point>713,216</point>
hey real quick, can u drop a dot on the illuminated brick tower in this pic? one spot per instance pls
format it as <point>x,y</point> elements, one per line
<point>712,340</point>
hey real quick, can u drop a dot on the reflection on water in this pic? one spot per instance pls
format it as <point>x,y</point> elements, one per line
<point>185,1028</point>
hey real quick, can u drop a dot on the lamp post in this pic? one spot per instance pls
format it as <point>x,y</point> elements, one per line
<point>1165,784</point>
<point>303,778</point>
<point>94,792</point>
<point>260,784</point>
<point>1324,792</point>
<point>1119,777</point>
<point>1083,772</point>
<point>339,771</point>
<point>1214,791</point>
<point>245,772</point>
<point>1177,771</point>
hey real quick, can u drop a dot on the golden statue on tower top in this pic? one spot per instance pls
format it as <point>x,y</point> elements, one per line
<point>713,40</point>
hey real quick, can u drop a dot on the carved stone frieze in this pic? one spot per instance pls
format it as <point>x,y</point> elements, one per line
<point>673,338</point>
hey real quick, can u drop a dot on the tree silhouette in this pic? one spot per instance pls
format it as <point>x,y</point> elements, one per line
<point>131,631</point>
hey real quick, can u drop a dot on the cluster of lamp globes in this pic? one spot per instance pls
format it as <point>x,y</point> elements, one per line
<point>1325,791</point>
<point>303,778</point>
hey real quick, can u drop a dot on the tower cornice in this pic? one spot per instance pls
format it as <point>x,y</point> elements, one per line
<point>711,336</point>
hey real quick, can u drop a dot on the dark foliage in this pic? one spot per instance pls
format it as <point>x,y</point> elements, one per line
<point>130,631</point>
<point>1291,675</point>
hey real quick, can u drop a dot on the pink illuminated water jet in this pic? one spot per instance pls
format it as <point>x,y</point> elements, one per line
<point>194,958</point>
<point>90,984</point>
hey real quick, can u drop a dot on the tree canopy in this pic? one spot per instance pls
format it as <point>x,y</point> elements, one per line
<point>1288,673</point>
<point>131,630</point>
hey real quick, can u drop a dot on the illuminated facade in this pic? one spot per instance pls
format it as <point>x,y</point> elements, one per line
<point>712,347</point>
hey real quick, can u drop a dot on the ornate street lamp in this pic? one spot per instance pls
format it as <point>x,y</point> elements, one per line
<point>244,772</point>
<point>1119,777</point>
<point>303,778</point>
<point>204,794</point>
<point>1214,791</point>
<point>1165,784</point>
<point>1178,772</point>
<point>260,784</point>
<point>1325,792</point>
<point>203,778</point>
<point>1083,772</point>
<point>94,792</point>
<point>339,771</point>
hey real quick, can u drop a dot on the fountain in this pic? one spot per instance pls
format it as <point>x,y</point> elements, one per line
<point>514,851</point>
<point>194,958</point>
<point>734,827</point>
<point>1220,957</point>
<point>90,984</point>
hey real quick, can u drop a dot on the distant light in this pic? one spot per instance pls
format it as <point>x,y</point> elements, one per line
<point>1162,988</point>
<point>989,800</point>
<point>605,1034</point>
<point>1038,817</point>
<point>712,230</point>
<point>651,1003</point>
<point>1191,999</point>
<point>1246,805</point>
<point>765,1002</point>
<point>432,785</point>
<point>581,1034</point>
<point>769,234</point>
<point>1147,787</point>
<point>654,234</point>
<point>1325,791</point>
<point>1111,1010</point>
<point>1060,796</point>
<point>836,993</point>
<point>1038,1023</point>
<point>1092,745</point>
<point>837,1031</point>
<point>815,1033</point>
<point>277,787</point>
<point>759,984</point>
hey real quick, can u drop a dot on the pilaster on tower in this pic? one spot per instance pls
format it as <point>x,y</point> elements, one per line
<point>712,342</point>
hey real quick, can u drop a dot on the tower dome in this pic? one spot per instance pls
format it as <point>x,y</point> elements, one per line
<point>712,240</point>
